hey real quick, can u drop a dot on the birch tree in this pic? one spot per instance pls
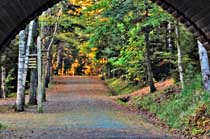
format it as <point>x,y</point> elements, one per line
<point>20,88</point>
<point>33,87</point>
<point>27,52</point>
<point>3,79</point>
<point>28,46</point>
<point>39,67</point>
<point>45,41</point>
<point>204,61</point>
<point>33,73</point>
<point>49,49</point>
<point>169,38</point>
<point>3,82</point>
<point>178,45</point>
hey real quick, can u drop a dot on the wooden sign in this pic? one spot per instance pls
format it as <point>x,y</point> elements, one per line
<point>32,62</point>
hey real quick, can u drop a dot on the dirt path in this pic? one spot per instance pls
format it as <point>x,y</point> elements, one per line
<point>77,108</point>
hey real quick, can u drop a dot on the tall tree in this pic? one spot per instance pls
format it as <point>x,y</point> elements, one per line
<point>33,72</point>
<point>40,94</point>
<point>20,88</point>
<point>49,48</point>
<point>204,61</point>
<point>27,52</point>
<point>148,61</point>
<point>33,87</point>
<point>3,79</point>
<point>178,45</point>
<point>147,30</point>
<point>59,56</point>
<point>29,44</point>
<point>44,31</point>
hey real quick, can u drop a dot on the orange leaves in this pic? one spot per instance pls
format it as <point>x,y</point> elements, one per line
<point>60,13</point>
<point>200,122</point>
<point>95,12</point>
<point>94,49</point>
<point>145,13</point>
<point>91,55</point>
<point>103,19</point>
<point>83,5</point>
<point>103,60</point>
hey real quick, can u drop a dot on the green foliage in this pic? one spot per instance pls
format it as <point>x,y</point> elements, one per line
<point>121,87</point>
<point>120,38</point>
<point>2,126</point>
<point>10,79</point>
<point>176,108</point>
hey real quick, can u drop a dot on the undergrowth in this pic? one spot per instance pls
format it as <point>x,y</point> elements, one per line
<point>2,126</point>
<point>187,111</point>
<point>121,87</point>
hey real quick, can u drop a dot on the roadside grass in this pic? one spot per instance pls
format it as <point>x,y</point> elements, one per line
<point>2,127</point>
<point>187,110</point>
<point>50,85</point>
<point>11,95</point>
<point>120,87</point>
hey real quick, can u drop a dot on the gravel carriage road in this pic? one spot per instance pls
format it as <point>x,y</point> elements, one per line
<point>77,108</point>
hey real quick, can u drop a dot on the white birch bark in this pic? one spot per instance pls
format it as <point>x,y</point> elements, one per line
<point>39,67</point>
<point>169,36</point>
<point>28,46</point>
<point>3,82</point>
<point>204,61</point>
<point>33,72</point>
<point>49,49</point>
<point>20,88</point>
<point>180,67</point>
<point>3,78</point>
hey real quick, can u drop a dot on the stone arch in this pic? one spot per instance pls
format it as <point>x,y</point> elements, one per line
<point>194,14</point>
<point>15,15</point>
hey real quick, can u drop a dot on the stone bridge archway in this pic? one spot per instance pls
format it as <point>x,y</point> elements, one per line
<point>16,14</point>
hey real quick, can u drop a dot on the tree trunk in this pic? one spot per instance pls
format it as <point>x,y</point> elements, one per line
<point>20,88</point>
<point>45,31</point>
<point>49,49</point>
<point>27,52</point>
<point>59,58</point>
<point>169,37</point>
<point>204,66</point>
<point>29,44</point>
<point>44,72</point>
<point>33,72</point>
<point>44,68</point>
<point>108,70</point>
<point>1,85</point>
<point>3,78</point>
<point>148,62</point>
<point>49,67</point>
<point>39,67</point>
<point>180,67</point>
<point>33,87</point>
<point>3,82</point>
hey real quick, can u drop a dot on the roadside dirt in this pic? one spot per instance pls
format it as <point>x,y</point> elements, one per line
<point>145,90</point>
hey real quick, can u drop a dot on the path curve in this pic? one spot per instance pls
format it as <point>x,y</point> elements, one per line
<point>78,108</point>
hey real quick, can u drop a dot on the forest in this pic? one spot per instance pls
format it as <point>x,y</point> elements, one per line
<point>148,59</point>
